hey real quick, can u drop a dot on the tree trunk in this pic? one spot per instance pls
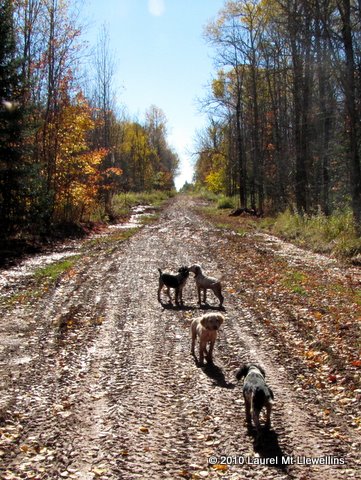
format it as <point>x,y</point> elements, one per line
<point>352,113</point>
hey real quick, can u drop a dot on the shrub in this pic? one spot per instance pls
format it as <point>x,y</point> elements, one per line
<point>226,202</point>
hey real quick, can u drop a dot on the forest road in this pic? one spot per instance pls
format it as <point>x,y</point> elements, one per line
<point>101,383</point>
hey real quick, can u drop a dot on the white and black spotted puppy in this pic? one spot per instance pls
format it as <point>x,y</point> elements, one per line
<point>256,394</point>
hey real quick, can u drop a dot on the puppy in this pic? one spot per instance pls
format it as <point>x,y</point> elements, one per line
<point>256,394</point>
<point>203,283</point>
<point>173,281</point>
<point>206,328</point>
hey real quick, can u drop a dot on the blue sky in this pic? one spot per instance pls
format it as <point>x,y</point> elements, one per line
<point>162,59</point>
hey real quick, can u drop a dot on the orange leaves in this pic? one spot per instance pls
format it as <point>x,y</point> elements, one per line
<point>77,166</point>
<point>220,467</point>
<point>144,429</point>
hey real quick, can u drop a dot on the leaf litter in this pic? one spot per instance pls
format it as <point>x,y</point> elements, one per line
<point>110,389</point>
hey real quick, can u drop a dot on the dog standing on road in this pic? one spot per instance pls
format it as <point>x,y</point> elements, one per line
<point>173,281</point>
<point>206,328</point>
<point>204,283</point>
<point>256,395</point>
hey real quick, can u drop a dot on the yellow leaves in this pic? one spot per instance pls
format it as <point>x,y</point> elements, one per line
<point>215,181</point>
<point>218,87</point>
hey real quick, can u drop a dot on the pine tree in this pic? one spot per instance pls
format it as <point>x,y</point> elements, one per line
<point>14,170</point>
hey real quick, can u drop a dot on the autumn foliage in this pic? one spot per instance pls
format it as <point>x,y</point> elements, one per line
<point>284,106</point>
<point>64,154</point>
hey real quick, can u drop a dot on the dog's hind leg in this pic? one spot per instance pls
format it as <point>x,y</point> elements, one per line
<point>177,295</point>
<point>220,297</point>
<point>181,295</point>
<point>159,290</point>
<point>218,293</point>
<point>204,295</point>
<point>247,403</point>
<point>268,417</point>
<point>194,336</point>
<point>169,295</point>
<point>199,295</point>
<point>255,417</point>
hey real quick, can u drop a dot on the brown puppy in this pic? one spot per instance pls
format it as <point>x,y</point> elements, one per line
<point>206,328</point>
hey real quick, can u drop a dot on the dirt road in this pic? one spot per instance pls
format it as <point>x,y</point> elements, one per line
<point>98,381</point>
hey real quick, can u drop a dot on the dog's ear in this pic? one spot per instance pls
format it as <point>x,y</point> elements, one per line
<point>242,372</point>
<point>261,370</point>
<point>204,321</point>
<point>220,319</point>
<point>183,270</point>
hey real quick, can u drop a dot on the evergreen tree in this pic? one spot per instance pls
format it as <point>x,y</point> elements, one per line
<point>15,171</point>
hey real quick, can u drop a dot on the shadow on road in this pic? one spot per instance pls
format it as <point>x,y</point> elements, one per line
<point>216,374</point>
<point>185,308</point>
<point>266,445</point>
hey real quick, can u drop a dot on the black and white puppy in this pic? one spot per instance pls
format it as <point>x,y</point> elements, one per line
<point>256,394</point>
<point>173,281</point>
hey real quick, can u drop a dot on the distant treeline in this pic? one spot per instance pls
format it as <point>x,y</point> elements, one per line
<point>64,149</point>
<point>285,106</point>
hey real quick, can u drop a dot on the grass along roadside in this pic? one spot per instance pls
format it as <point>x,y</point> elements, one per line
<point>332,235</point>
<point>299,281</point>
<point>37,284</point>
<point>124,202</point>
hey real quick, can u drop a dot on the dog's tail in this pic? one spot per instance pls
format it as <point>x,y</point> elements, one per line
<point>160,271</point>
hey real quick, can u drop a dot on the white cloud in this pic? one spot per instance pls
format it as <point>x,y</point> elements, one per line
<point>156,7</point>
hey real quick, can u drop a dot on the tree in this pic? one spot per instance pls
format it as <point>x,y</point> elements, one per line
<point>165,160</point>
<point>103,101</point>
<point>289,75</point>
<point>14,172</point>
<point>350,17</point>
<point>78,176</point>
<point>225,34</point>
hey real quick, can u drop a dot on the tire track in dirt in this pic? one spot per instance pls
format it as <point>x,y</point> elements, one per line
<point>120,397</point>
<point>176,416</point>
